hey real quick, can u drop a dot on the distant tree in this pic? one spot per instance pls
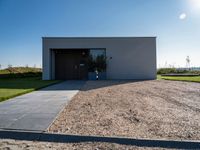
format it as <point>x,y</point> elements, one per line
<point>9,66</point>
<point>171,66</point>
<point>188,62</point>
<point>166,65</point>
<point>26,65</point>
<point>0,66</point>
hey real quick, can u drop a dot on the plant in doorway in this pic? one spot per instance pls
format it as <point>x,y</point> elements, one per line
<point>96,66</point>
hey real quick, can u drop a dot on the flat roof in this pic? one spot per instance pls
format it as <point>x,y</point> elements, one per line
<point>122,37</point>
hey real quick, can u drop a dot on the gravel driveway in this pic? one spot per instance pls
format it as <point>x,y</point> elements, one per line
<point>146,109</point>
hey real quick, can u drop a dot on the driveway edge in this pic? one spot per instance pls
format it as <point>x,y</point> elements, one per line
<point>64,138</point>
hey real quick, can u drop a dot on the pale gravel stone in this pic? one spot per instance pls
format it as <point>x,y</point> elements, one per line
<point>29,145</point>
<point>147,109</point>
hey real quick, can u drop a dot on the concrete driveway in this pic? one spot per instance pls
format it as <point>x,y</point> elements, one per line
<point>35,111</point>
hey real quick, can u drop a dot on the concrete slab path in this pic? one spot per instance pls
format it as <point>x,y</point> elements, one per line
<point>35,111</point>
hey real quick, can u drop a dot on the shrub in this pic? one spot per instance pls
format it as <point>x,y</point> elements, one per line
<point>195,71</point>
<point>176,71</point>
<point>166,70</point>
<point>98,63</point>
<point>20,72</point>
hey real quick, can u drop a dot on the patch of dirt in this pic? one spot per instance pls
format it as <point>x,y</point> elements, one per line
<point>29,145</point>
<point>146,109</point>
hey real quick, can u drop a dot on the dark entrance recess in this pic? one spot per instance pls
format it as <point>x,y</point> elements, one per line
<point>71,64</point>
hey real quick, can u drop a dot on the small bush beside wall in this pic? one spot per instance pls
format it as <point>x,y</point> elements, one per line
<point>166,70</point>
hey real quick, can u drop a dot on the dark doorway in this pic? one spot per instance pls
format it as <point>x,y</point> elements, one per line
<point>71,64</point>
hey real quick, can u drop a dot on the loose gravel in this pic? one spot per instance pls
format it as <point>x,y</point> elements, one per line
<point>146,109</point>
<point>29,145</point>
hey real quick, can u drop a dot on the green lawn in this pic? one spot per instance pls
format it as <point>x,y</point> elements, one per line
<point>189,79</point>
<point>17,86</point>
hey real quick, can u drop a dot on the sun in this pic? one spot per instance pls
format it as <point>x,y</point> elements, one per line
<point>182,16</point>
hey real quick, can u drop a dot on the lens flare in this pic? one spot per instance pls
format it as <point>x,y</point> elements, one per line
<point>182,16</point>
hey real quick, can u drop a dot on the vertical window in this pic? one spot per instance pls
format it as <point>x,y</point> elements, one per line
<point>97,60</point>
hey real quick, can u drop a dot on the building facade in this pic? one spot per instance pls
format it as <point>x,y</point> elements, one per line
<point>82,58</point>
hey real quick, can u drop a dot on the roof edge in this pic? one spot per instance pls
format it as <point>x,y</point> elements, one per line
<point>117,37</point>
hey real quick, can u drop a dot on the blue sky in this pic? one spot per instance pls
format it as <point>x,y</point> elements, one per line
<point>175,23</point>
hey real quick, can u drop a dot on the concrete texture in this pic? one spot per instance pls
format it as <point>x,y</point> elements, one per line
<point>35,111</point>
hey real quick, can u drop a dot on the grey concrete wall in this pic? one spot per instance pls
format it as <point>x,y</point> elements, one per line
<point>132,57</point>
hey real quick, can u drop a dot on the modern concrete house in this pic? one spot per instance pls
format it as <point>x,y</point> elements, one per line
<point>82,58</point>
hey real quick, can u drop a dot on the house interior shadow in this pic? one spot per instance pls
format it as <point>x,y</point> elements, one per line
<point>88,85</point>
<point>91,85</point>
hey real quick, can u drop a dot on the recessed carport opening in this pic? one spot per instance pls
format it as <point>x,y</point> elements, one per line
<point>78,64</point>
